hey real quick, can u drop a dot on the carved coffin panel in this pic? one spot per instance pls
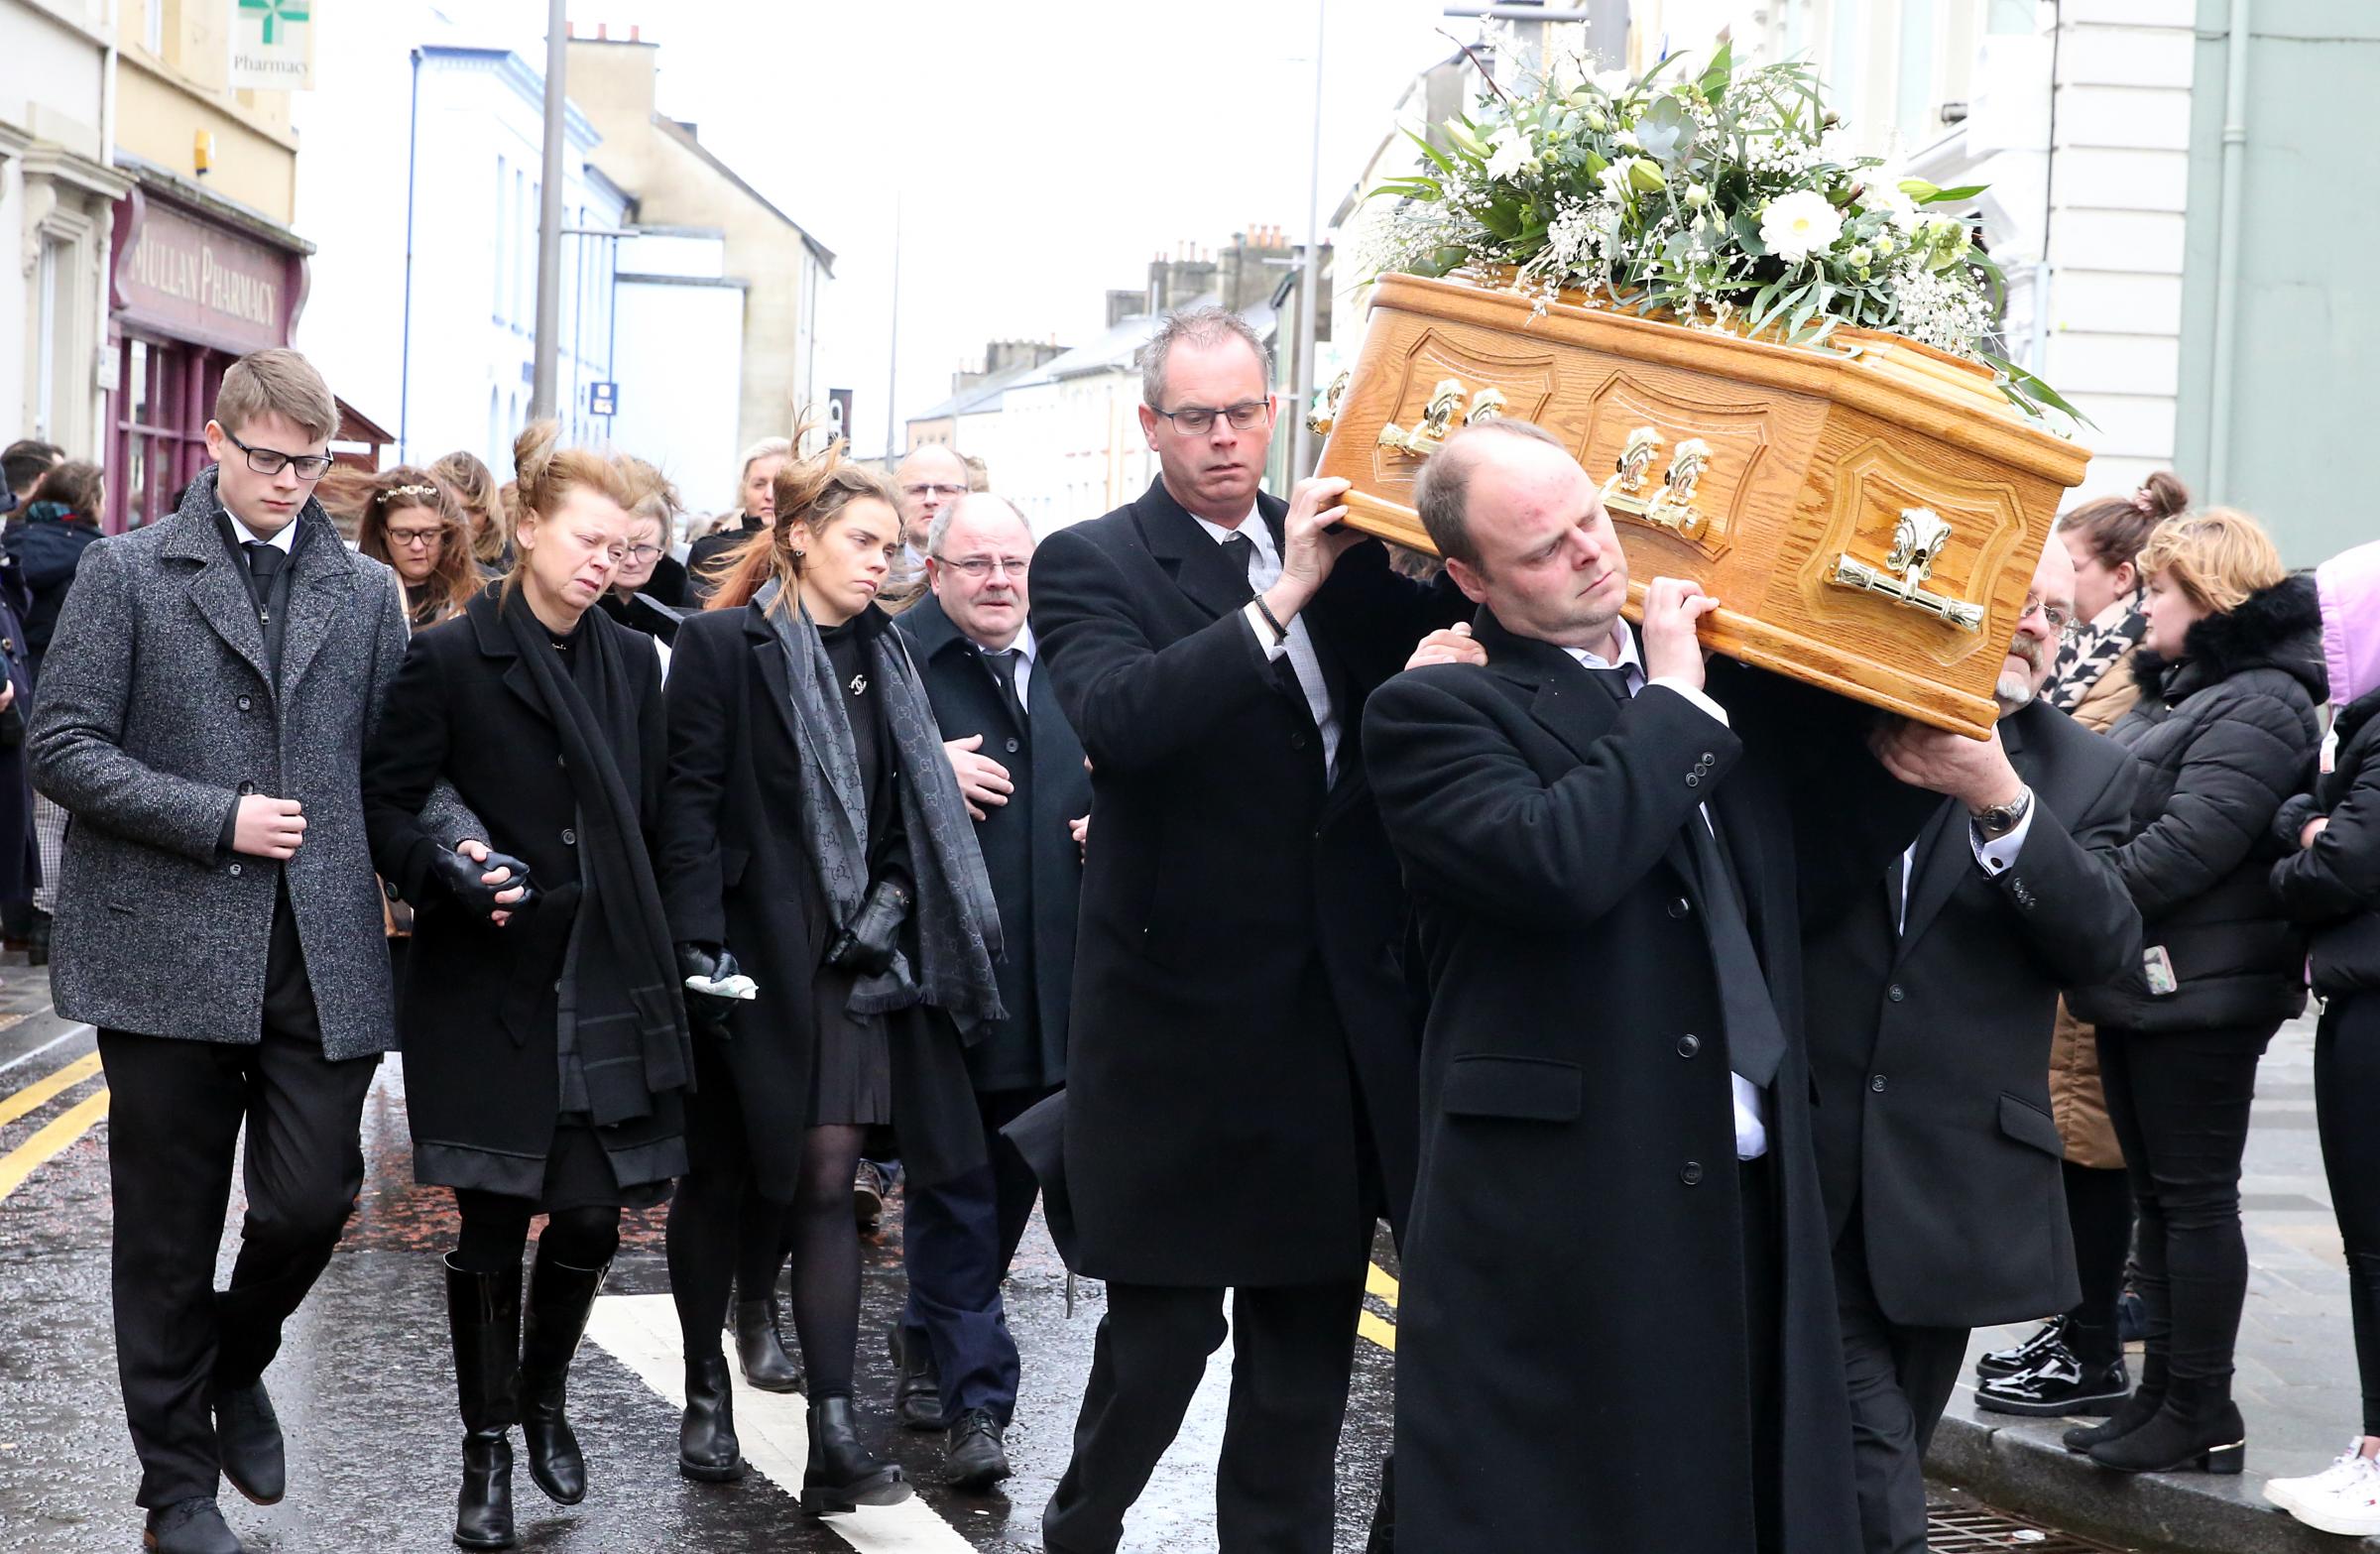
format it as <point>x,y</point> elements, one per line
<point>1868,516</point>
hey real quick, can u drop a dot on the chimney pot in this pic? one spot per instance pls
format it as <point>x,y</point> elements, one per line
<point>569,29</point>
<point>635,33</point>
<point>603,32</point>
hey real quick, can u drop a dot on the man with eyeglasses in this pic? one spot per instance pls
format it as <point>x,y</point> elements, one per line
<point>1241,1077</point>
<point>931,478</point>
<point>201,717</point>
<point>1020,769</point>
<point>1930,1009</point>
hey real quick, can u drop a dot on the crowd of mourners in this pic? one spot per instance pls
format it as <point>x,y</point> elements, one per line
<point>1719,1054</point>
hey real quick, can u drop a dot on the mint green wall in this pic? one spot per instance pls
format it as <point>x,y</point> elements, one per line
<point>2305,405</point>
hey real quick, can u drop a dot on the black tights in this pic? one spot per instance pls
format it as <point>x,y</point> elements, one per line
<point>763,1240</point>
<point>2098,1205</point>
<point>2346,1091</point>
<point>496,1232</point>
<point>707,1220</point>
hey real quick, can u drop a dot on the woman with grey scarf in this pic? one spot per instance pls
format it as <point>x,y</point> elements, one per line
<point>814,843</point>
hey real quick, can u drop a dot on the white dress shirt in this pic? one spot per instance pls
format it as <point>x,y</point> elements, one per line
<point>280,540</point>
<point>1024,648</point>
<point>1262,574</point>
<point>1752,1126</point>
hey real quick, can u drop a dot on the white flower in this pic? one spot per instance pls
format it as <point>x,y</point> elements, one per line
<point>1613,83</point>
<point>1797,226</point>
<point>1597,122</point>
<point>1509,151</point>
<point>1614,180</point>
<point>1569,72</point>
<point>1628,139</point>
<point>1697,196</point>
<point>1859,257</point>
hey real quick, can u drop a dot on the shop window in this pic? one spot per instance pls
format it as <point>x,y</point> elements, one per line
<point>163,396</point>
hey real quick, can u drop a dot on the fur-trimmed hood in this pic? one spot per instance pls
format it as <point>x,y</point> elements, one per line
<point>2278,628</point>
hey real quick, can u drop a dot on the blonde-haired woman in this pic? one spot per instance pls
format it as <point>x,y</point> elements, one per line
<point>474,486</point>
<point>410,522</point>
<point>545,1055</point>
<point>2230,673</point>
<point>755,510</point>
<point>814,837</point>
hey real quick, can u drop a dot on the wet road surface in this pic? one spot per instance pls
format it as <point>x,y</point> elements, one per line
<point>364,1391</point>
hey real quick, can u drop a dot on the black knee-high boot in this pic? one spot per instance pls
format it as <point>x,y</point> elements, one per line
<point>561,1297</point>
<point>483,1315</point>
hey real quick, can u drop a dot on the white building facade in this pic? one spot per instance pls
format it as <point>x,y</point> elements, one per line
<point>57,196</point>
<point>678,355</point>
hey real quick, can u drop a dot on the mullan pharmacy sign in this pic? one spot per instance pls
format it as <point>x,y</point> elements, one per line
<point>273,44</point>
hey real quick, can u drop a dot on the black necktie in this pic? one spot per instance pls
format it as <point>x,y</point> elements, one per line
<point>265,562</point>
<point>1242,553</point>
<point>1755,1037</point>
<point>1003,664</point>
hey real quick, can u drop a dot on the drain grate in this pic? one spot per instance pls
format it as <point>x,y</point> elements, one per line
<point>1966,1528</point>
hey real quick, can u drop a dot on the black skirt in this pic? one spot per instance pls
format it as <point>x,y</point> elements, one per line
<point>851,1081</point>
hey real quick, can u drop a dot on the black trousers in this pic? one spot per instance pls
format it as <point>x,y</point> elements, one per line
<point>1901,1379</point>
<point>2346,1097</point>
<point>2180,1101</point>
<point>957,1238</point>
<point>174,1117</point>
<point>1293,1348</point>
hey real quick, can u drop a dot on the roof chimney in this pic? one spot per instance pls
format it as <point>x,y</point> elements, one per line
<point>603,32</point>
<point>635,34</point>
<point>569,29</point>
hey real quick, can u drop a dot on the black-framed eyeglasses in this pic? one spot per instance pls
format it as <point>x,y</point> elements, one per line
<point>270,461</point>
<point>2056,619</point>
<point>1196,420</point>
<point>979,567</point>
<point>644,554</point>
<point>416,539</point>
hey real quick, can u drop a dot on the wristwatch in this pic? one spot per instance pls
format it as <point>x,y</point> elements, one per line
<point>1998,821</point>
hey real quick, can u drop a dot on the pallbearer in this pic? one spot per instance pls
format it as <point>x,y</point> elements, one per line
<point>545,1054</point>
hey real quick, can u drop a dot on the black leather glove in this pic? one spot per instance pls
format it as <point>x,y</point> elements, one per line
<point>460,875</point>
<point>868,943</point>
<point>707,1011</point>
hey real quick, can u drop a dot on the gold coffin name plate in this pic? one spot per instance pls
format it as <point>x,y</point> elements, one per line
<point>1867,512</point>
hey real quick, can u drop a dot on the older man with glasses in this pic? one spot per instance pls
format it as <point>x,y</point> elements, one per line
<point>933,478</point>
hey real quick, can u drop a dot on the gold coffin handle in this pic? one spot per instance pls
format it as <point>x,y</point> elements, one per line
<point>1916,540</point>
<point>1325,414</point>
<point>1438,419</point>
<point>1672,506</point>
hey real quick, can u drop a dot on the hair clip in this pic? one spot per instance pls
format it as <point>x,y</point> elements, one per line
<point>409,491</point>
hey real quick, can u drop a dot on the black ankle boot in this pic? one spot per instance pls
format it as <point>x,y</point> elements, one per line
<point>843,1475</point>
<point>706,1435</point>
<point>561,1297</point>
<point>761,1347</point>
<point>483,1315</point>
<point>2198,1427</point>
<point>2146,1401</point>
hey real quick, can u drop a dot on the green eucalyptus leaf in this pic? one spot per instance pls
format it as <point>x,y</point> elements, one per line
<point>1941,195</point>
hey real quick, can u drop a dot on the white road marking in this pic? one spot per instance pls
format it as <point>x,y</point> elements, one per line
<point>640,1332</point>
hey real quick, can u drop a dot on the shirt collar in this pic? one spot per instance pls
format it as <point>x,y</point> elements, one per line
<point>1629,658</point>
<point>1022,646</point>
<point>241,534</point>
<point>1253,525</point>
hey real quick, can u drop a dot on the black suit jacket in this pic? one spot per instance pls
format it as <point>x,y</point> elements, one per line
<point>1242,1025</point>
<point>1028,843</point>
<point>1578,1198</point>
<point>1931,1044</point>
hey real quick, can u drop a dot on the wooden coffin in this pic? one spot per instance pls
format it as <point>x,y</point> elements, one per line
<point>1867,513</point>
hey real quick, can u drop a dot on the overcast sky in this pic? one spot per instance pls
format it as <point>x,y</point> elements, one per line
<point>1039,151</point>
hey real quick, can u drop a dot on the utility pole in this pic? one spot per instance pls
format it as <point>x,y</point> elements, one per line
<point>549,210</point>
<point>1309,280</point>
<point>893,368</point>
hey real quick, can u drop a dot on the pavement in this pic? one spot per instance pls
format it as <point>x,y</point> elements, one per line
<point>2296,1384</point>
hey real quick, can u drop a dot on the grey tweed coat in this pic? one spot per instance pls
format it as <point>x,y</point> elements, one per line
<point>154,716</point>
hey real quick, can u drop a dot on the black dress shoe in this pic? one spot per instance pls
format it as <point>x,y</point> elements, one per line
<point>2058,1385</point>
<point>842,1474</point>
<point>761,1347</point>
<point>707,1447</point>
<point>918,1391</point>
<point>2210,1440</point>
<point>867,1198</point>
<point>248,1442</point>
<point>2025,1356</point>
<point>974,1454</point>
<point>191,1526</point>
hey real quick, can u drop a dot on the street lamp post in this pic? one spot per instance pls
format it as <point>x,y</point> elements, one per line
<point>1309,282</point>
<point>550,212</point>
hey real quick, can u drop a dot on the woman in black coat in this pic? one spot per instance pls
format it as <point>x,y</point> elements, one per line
<point>814,838</point>
<point>2330,881</point>
<point>544,1055</point>
<point>2230,673</point>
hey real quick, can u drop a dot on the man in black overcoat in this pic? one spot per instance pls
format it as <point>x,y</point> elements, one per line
<point>1022,771</point>
<point>1239,1075</point>
<point>1616,1326</point>
<point>1930,1000</point>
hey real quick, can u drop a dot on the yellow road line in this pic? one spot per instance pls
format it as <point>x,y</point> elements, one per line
<point>1380,1333</point>
<point>1376,1281</point>
<point>56,1135</point>
<point>41,1092</point>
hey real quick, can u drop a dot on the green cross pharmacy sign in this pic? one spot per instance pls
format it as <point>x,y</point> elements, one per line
<point>272,45</point>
